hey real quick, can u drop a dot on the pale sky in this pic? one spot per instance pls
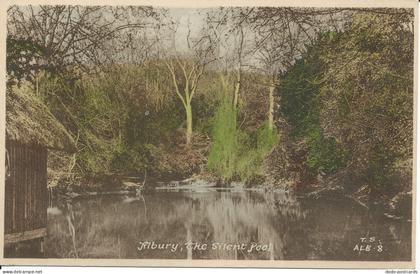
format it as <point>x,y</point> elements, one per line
<point>194,17</point>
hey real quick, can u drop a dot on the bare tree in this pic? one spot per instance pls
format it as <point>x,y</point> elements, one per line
<point>186,71</point>
<point>75,36</point>
<point>229,29</point>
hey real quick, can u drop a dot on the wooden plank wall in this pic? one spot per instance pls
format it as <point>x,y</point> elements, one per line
<point>26,193</point>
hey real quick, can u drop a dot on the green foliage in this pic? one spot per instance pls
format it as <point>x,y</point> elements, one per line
<point>300,104</point>
<point>367,98</point>
<point>266,138</point>
<point>235,154</point>
<point>116,119</point>
<point>324,154</point>
<point>226,140</point>
<point>21,59</point>
<point>299,96</point>
<point>250,163</point>
<point>381,168</point>
<point>204,109</point>
<point>99,125</point>
<point>350,100</point>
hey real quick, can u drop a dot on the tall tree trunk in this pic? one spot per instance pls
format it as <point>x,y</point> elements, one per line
<point>188,111</point>
<point>271,109</point>
<point>191,74</point>
<point>237,88</point>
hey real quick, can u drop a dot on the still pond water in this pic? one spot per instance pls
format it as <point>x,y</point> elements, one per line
<point>222,225</point>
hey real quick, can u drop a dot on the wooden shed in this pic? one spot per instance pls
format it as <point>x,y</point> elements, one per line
<point>31,130</point>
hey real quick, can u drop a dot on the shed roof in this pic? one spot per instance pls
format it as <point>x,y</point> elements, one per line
<point>29,121</point>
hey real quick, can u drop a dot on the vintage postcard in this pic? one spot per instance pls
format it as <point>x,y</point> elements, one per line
<point>208,133</point>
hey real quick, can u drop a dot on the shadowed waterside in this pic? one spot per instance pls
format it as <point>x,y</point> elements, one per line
<point>222,225</point>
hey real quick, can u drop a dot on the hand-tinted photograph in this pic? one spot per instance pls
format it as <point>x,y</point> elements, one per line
<point>217,133</point>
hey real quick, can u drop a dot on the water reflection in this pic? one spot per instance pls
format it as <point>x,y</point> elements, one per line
<point>276,225</point>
